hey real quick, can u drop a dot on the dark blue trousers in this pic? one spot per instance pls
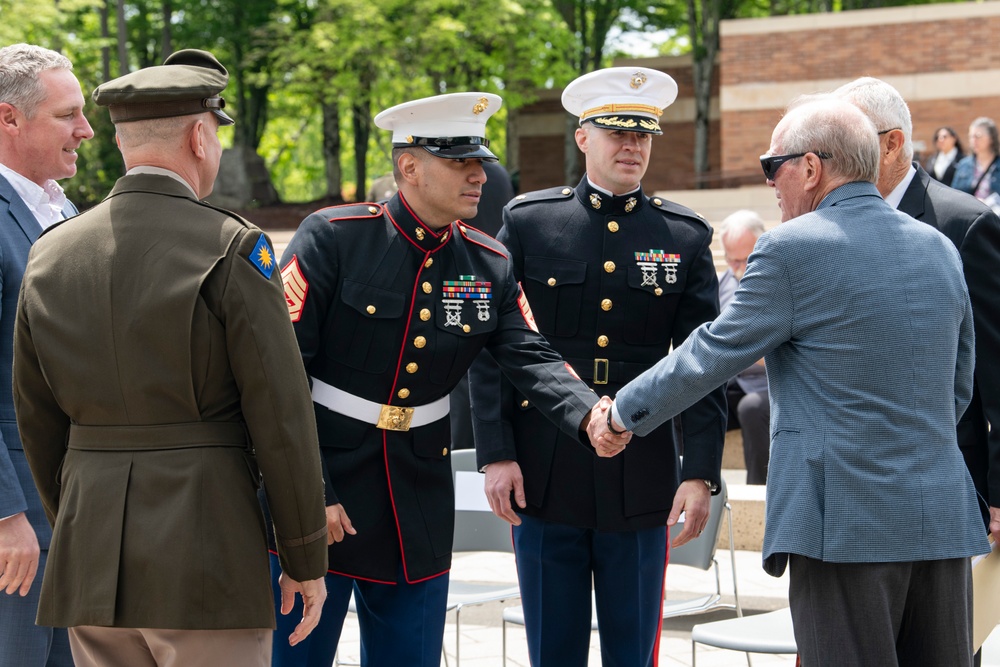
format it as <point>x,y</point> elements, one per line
<point>401,624</point>
<point>557,565</point>
<point>24,644</point>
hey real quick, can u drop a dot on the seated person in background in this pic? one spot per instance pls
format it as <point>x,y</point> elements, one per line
<point>947,153</point>
<point>749,404</point>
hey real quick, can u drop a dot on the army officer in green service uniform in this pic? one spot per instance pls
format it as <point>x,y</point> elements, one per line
<point>156,376</point>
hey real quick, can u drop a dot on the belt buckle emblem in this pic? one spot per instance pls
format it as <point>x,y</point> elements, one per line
<point>602,369</point>
<point>394,418</point>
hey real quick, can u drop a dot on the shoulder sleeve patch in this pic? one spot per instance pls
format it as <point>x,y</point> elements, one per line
<point>262,256</point>
<point>296,288</point>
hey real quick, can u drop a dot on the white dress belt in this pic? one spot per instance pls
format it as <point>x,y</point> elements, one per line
<point>390,417</point>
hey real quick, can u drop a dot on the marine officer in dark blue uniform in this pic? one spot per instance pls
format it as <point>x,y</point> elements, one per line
<point>391,304</point>
<point>615,278</point>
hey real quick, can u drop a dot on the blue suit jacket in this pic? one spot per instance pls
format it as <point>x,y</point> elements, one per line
<point>18,230</point>
<point>864,320</point>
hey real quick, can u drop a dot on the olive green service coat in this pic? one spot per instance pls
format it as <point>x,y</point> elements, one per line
<point>155,369</point>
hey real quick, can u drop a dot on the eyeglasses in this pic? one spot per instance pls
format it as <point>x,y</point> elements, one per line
<point>771,163</point>
<point>889,130</point>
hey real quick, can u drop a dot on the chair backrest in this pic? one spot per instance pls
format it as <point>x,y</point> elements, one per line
<point>476,527</point>
<point>700,552</point>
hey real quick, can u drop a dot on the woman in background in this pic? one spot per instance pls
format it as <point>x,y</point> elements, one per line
<point>977,173</point>
<point>947,152</point>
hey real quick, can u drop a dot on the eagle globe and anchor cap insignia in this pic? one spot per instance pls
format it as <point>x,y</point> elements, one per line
<point>262,257</point>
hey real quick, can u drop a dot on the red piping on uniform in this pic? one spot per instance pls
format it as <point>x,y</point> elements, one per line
<point>663,594</point>
<point>353,217</point>
<point>483,245</point>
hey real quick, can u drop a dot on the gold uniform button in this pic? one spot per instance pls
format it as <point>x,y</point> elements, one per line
<point>606,304</point>
<point>613,226</point>
<point>411,368</point>
<point>551,282</point>
<point>658,291</point>
<point>426,287</point>
<point>524,404</point>
<point>602,341</point>
<point>466,328</point>
<point>419,342</point>
<point>425,314</point>
<point>566,191</point>
<point>520,197</point>
<point>463,229</point>
<point>373,210</point>
<point>429,262</point>
<point>420,234</point>
<point>371,310</point>
<point>609,267</point>
<point>403,393</point>
<point>444,452</point>
<point>657,201</point>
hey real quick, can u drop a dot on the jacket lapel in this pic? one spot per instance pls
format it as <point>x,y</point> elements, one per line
<point>914,198</point>
<point>19,211</point>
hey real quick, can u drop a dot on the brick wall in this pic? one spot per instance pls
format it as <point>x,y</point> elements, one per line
<point>943,59</point>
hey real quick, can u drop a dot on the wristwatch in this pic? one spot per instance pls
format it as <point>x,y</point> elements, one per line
<point>712,487</point>
<point>612,428</point>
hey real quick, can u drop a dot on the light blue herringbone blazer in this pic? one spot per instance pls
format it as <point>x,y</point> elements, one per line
<point>864,320</point>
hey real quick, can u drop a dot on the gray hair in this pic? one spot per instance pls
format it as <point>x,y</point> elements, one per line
<point>827,124</point>
<point>883,105</point>
<point>990,128</point>
<point>138,133</point>
<point>20,65</point>
<point>743,220</point>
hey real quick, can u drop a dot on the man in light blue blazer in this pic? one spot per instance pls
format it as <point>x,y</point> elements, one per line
<point>41,126</point>
<point>862,315</point>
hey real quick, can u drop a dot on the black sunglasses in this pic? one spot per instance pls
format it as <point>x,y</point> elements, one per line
<point>771,163</point>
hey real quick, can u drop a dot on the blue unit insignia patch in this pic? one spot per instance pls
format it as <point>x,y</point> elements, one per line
<point>262,256</point>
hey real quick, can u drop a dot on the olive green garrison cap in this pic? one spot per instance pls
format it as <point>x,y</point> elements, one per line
<point>188,82</point>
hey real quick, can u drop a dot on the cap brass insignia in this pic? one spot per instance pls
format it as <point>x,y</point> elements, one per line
<point>637,80</point>
<point>480,106</point>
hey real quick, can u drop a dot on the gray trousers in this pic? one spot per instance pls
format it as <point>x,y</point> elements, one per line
<point>138,647</point>
<point>914,614</point>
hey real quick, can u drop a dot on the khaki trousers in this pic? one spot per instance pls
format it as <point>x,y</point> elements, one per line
<point>138,647</point>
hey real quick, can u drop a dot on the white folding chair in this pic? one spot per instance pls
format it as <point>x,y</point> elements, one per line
<point>761,633</point>
<point>698,553</point>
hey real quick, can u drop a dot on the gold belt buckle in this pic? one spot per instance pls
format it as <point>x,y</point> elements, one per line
<point>394,418</point>
<point>599,365</point>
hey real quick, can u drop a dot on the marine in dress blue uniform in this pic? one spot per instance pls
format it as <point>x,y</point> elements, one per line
<point>615,277</point>
<point>390,307</point>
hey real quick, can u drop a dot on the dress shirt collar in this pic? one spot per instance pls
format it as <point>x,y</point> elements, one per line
<point>46,202</point>
<point>896,195</point>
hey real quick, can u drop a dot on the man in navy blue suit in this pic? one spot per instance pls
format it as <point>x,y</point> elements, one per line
<point>41,126</point>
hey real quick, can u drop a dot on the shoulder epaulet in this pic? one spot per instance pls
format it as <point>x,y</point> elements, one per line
<point>676,209</point>
<point>481,238</point>
<point>564,192</point>
<point>359,211</point>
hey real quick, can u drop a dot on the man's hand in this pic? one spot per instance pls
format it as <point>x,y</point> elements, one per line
<point>994,524</point>
<point>18,555</point>
<point>337,523</point>
<point>694,499</point>
<point>602,439</point>
<point>313,596</point>
<point>502,477</point>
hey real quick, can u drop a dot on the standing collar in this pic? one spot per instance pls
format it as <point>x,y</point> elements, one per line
<point>602,201</point>
<point>413,229</point>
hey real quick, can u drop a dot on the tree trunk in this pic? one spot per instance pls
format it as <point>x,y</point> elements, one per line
<point>105,11</point>
<point>331,150</point>
<point>123,68</point>
<point>167,45</point>
<point>359,121</point>
<point>571,154</point>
